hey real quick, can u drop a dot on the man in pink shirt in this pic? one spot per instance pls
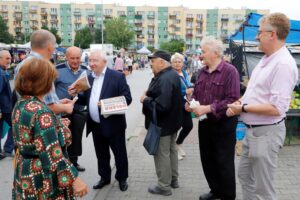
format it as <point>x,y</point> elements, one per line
<point>263,107</point>
<point>119,63</point>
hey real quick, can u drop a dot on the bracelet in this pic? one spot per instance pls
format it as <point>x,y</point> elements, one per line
<point>243,108</point>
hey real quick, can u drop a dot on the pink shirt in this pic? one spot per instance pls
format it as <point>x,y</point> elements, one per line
<point>119,64</point>
<point>272,82</point>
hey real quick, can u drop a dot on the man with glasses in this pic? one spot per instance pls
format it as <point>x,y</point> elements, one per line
<point>263,107</point>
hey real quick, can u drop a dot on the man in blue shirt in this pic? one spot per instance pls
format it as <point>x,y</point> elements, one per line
<point>68,73</point>
<point>5,103</point>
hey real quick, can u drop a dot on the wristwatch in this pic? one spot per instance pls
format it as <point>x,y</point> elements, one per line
<point>243,108</point>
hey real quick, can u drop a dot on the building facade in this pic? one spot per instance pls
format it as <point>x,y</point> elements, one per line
<point>152,25</point>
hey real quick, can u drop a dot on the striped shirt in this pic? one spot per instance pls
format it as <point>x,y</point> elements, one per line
<point>218,88</point>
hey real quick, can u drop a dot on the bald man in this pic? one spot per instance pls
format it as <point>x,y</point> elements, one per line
<point>5,103</point>
<point>68,72</point>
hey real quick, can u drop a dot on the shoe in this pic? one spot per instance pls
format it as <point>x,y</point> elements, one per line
<point>123,185</point>
<point>101,184</point>
<point>2,156</point>
<point>180,157</point>
<point>208,196</point>
<point>157,190</point>
<point>79,168</point>
<point>180,151</point>
<point>174,184</point>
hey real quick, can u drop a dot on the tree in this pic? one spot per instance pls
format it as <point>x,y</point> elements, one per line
<point>5,36</point>
<point>173,46</point>
<point>54,32</point>
<point>83,38</point>
<point>98,36</point>
<point>118,33</point>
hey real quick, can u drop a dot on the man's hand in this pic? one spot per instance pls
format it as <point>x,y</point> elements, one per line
<point>72,91</point>
<point>234,109</point>
<point>143,97</point>
<point>65,101</point>
<point>189,91</point>
<point>187,107</point>
<point>201,110</point>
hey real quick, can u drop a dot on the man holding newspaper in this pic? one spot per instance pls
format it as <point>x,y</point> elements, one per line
<point>68,73</point>
<point>107,99</point>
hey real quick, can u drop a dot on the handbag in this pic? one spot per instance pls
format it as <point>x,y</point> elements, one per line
<point>152,138</point>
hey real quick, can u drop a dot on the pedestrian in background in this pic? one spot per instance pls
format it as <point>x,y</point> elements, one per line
<point>5,104</point>
<point>217,85</point>
<point>68,73</point>
<point>186,91</point>
<point>263,108</point>
<point>164,91</point>
<point>43,170</point>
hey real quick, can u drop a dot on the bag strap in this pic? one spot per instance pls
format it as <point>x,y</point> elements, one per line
<point>154,117</point>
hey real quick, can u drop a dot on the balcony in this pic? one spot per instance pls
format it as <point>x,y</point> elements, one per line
<point>34,27</point>
<point>33,11</point>
<point>108,16</point>
<point>150,32</point>
<point>224,18</point>
<point>18,18</point>
<point>17,30</point>
<point>138,29</point>
<point>172,33</point>
<point>44,24</point>
<point>77,13</point>
<point>45,21</point>
<point>150,39</point>
<point>91,21</point>
<point>5,18</point>
<point>138,22</point>
<point>151,25</point>
<point>33,19</point>
<point>138,16</point>
<point>4,10</point>
<point>77,21</point>
<point>199,35</point>
<point>172,25</point>
<point>140,36</point>
<point>172,16</point>
<point>123,15</point>
<point>54,21</point>
<point>189,35</point>
<point>44,13</point>
<point>189,19</point>
<point>17,25</point>
<point>150,16</point>
<point>17,11</point>
<point>188,42</point>
<point>199,20</point>
<point>189,28</point>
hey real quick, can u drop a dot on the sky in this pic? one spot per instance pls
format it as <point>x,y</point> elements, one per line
<point>288,7</point>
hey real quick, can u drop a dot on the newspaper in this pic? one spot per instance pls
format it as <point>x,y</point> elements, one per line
<point>113,106</point>
<point>82,83</point>
<point>195,104</point>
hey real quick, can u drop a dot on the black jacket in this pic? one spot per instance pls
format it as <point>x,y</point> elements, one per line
<point>164,90</point>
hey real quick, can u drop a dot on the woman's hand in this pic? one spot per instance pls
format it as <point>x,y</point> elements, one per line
<point>80,188</point>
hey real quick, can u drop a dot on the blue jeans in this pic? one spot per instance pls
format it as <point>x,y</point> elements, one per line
<point>9,144</point>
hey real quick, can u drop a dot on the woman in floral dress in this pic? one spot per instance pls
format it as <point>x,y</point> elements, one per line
<point>42,169</point>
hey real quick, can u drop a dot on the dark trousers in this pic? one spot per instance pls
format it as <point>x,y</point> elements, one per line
<point>77,125</point>
<point>187,126</point>
<point>217,146</point>
<point>9,144</point>
<point>117,143</point>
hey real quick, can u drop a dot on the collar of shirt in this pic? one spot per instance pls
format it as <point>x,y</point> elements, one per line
<point>267,59</point>
<point>102,73</point>
<point>35,54</point>
<point>219,67</point>
<point>163,71</point>
<point>75,72</point>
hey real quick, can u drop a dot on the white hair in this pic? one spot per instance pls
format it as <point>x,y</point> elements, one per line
<point>213,44</point>
<point>176,56</point>
<point>100,53</point>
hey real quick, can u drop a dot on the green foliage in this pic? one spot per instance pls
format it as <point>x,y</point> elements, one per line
<point>5,36</point>
<point>83,38</point>
<point>55,33</point>
<point>151,48</point>
<point>98,36</point>
<point>118,33</point>
<point>45,28</point>
<point>173,46</point>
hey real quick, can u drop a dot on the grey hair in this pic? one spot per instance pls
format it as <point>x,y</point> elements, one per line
<point>3,52</point>
<point>176,56</point>
<point>99,52</point>
<point>213,44</point>
<point>40,39</point>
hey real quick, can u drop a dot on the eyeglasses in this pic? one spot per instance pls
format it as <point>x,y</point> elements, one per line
<point>260,32</point>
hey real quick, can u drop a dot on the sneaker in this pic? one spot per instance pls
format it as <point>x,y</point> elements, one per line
<point>157,190</point>
<point>174,184</point>
<point>181,151</point>
<point>179,157</point>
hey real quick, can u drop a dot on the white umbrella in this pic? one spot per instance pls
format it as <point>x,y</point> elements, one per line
<point>143,50</point>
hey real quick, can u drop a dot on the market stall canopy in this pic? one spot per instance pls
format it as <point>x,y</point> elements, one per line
<point>249,29</point>
<point>2,45</point>
<point>25,46</point>
<point>143,50</point>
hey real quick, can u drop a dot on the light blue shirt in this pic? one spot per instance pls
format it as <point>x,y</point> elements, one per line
<point>95,96</point>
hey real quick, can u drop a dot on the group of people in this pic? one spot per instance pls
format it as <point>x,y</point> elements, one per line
<point>47,124</point>
<point>217,89</point>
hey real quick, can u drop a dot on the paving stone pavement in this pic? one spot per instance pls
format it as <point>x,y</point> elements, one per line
<point>191,177</point>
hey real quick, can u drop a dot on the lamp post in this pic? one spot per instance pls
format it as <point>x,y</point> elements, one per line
<point>102,23</point>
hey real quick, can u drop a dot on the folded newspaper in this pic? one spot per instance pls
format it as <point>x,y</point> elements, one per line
<point>113,106</point>
<point>195,104</point>
<point>82,83</point>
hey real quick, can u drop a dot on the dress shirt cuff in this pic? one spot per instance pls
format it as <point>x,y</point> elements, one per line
<point>280,102</point>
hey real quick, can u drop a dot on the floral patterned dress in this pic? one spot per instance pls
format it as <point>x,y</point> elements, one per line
<point>43,170</point>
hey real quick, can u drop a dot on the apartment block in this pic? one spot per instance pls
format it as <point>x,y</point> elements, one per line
<point>152,25</point>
